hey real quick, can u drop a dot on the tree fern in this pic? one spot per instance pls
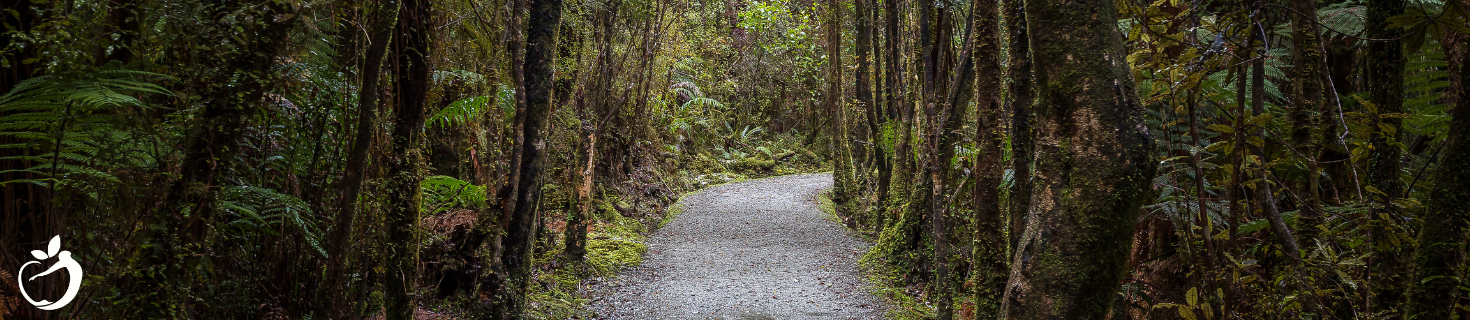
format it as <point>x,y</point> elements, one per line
<point>62,124</point>
<point>443,192</point>
<point>459,113</point>
<point>257,210</point>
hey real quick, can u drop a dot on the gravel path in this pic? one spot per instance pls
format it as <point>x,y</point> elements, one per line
<point>751,250</point>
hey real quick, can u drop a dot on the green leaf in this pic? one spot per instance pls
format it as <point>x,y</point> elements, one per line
<point>1192,297</point>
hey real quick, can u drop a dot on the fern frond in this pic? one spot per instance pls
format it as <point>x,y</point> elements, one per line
<point>459,113</point>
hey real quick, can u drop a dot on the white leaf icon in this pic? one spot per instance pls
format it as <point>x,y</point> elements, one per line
<point>39,254</point>
<point>54,247</point>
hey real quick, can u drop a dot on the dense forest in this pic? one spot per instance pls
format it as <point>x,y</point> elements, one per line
<point>490,159</point>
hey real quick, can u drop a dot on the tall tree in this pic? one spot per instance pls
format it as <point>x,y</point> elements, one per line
<point>1019,97</point>
<point>353,173</point>
<point>520,228</point>
<point>864,84</point>
<point>1309,101</point>
<point>947,117</point>
<point>1440,258</point>
<point>842,183</point>
<point>1093,166</point>
<point>1385,79</point>
<point>893,95</point>
<point>1264,194</point>
<point>900,178</point>
<point>406,165</point>
<point>989,263</point>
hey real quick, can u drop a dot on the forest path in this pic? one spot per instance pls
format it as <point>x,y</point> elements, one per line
<point>757,249</point>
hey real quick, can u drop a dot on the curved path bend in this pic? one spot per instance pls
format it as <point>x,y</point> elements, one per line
<point>757,249</point>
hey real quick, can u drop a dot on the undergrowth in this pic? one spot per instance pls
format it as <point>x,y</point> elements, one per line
<point>884,281</point>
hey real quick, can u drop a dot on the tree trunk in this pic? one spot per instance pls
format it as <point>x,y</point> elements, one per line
<point>1310,100</point>
<point>1385,79</point>
<point>893,94</point>
<point>900,184</point>
<point>842,184</point>
<point>1441,254</point>
<point>1093,166</point>
<point>864,88</point>
<point>352,176</point>
<point>576,232</point>
<point>520,230</point>
<point>947,115</point>
<point>989,257</point>
<point>1264,194</point>
<point>1020,97</point>
<point>406,164</point>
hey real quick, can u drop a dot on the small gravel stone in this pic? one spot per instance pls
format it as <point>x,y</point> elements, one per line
<point>757,249</point>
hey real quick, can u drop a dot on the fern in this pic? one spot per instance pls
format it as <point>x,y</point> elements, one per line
<point>260,208</point>
<point>1424,81</point>
<point>63,125</point>
<point>459,113</point>
<point>443,192</point>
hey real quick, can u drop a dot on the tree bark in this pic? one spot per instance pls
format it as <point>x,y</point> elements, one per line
<point>842,184</point>
<point>948,116</point>
<point>352,176</point>
<point>900,185</point>
<point>1441,254</point>
<point>989,257</point>
<point>864,89</point>
<point>577,221</point>
<point>406,166</point>
<point>893,94</point>
<point>520,230</point>
<point>1310,101</point>
<point>1385,79</point>
<point>1093,166</point>
<point>1020,96</point>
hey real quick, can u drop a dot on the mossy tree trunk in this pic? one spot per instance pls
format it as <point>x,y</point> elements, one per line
<point>1093,166</point>
<point>900,185</point>
<point>1309,102</point>
<point>989,257</point>
<point>596,116</point>
<point>353,173</point>
<point>1440,258</point>
<point>1385,79</point>
<point>948,115</point>
<point>842,171</point>
<point>406,165</point>
<point>864,93</point>
<point>893,94</point>
<point>1019,96</point>
<point>520,228</point>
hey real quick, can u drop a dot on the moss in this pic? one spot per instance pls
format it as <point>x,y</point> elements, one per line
<point>608,254</point>
<point>753,163</point>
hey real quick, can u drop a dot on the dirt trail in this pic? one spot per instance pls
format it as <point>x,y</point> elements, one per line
<point>758,249</point>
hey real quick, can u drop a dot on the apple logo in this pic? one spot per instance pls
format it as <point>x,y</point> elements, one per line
<point>65,261</point>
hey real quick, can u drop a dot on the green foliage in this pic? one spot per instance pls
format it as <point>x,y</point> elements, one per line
<point>65,125</point>
<point>257,210</point>
<point>459,113</point>
<point>442,193</point>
